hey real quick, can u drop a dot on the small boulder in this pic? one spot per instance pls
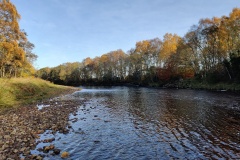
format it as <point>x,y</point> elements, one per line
<point>64,155</point>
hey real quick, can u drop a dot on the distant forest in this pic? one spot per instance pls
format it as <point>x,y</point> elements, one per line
<point>209,51</point>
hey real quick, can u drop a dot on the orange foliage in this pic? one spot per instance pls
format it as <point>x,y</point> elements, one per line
<point>163,74</point>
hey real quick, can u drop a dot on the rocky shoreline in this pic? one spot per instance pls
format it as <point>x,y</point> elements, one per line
<point>21,127</point>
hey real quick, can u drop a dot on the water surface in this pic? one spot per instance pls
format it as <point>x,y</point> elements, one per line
<point>144,123</point>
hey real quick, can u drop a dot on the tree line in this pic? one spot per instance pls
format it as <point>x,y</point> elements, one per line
<point>16,55</point>
<point>209,51</point>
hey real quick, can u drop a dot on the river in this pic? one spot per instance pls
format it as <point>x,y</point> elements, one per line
<point>146,123</point>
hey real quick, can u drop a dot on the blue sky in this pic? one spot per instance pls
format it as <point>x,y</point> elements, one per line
<point>71,30</point>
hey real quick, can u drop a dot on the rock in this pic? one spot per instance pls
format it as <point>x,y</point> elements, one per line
<point>51,147</point>
<point>39,158</point>
<point>40,131</point>
<point>23,149</point>
<point>48,140</point>
<point>15,151</point>
<point>74,120</point>
<point>5,146</point>
<point>64,154</point>
<point>96,141</point>
<point>40,149</point>
<point>65,131</point>
<point>26,153</point>
<point>46,149</point>
<point>7,137</point>
<point>34,156</point>
<point>20,127</point>
<point>56,151</point>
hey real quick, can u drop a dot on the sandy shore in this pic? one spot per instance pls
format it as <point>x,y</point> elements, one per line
<point>19,128</point>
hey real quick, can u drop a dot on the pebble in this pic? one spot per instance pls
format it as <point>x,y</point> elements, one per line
<point>64,155</point>
<point>20,127</point>
<point>56,151</point>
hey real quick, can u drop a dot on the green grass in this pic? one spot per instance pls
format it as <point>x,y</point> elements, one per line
<point>15,92</point>
<point>208,86</point>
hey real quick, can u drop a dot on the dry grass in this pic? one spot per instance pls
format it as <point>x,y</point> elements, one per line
<point>18,91</point>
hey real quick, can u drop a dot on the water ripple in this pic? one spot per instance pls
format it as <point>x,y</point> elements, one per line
<point>141,123</point>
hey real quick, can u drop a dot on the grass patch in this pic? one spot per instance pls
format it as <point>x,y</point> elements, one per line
<point>210,86</point>
<point>19,91</point>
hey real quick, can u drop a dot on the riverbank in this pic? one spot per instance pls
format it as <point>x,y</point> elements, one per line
<point>177,84</point>
<point>21,121</point>
<point>191,84</point>
<point>21,127</point>
<point>16,92</point>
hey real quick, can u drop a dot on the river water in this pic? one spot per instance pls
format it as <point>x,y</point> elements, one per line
<point>145,123</point>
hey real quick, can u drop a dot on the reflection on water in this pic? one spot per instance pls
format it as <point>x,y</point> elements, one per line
<point>143,123</point>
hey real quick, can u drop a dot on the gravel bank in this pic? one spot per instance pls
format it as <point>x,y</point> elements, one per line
<point>19,128</point>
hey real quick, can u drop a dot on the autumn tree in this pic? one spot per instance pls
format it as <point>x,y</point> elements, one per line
<point>182,63</point>
<point>143,49</point>
<point>169,46</point>
<point>44,73</point>
<point>148,54</point>
<point>118,65</point>
<point>135,66</point>
<point>87,68</point>
<point>230,30</point>
<point>209,51</point>
<point>15,49</point>
<point>96,68</point>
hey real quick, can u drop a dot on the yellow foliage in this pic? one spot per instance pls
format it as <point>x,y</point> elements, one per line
<point>13,42</point>
<point>169,46</point>
<point>88,61</point>
<point>235,14</point>
<point>104,58</point>
<point>143,47</point>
